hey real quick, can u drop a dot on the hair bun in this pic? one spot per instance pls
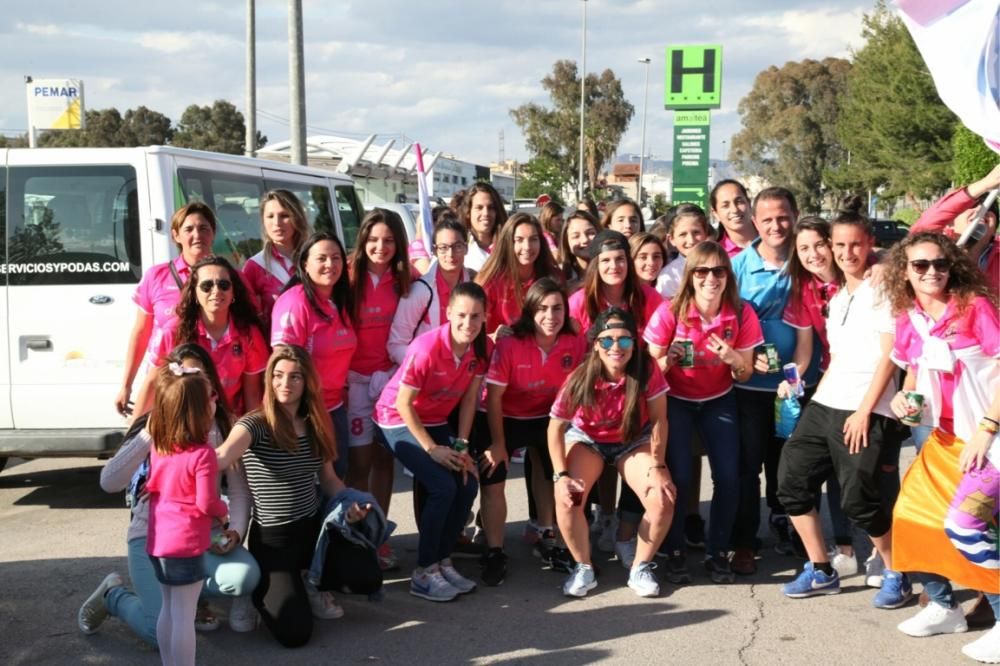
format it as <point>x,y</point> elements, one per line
<point>853,204</point>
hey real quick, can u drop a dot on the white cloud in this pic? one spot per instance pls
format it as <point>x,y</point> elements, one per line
<point>46,29</point>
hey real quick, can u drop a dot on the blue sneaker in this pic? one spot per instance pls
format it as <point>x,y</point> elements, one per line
<point>811,583</point>
<point>896,590</point>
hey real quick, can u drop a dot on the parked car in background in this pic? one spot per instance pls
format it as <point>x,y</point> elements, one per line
<point>888,232</point>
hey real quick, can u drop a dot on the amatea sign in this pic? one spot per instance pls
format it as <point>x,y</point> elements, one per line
<point>55,104</point>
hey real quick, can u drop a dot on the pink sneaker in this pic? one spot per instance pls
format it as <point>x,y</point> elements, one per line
<point>387,560</point>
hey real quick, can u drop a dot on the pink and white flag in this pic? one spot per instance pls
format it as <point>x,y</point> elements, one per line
<point>424,199</point>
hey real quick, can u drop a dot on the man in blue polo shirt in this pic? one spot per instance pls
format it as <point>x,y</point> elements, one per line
<point>765,284</point>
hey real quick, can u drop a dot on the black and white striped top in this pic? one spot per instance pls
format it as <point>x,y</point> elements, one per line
<point>283,484</point>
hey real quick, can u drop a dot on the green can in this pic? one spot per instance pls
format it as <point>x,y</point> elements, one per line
<point>914,401</point>
<point>460,445</point>
<point>687,360</point>
<point>773,360</point>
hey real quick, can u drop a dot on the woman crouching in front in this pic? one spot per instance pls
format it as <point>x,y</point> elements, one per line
<point>604,415</point>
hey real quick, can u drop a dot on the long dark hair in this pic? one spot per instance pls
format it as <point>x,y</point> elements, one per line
<point>609,212</point>
<point>242,313</point>
<point>633,294</point>
<point>524,327</point>
<point>341,298</point>
<point>400,265</point>
<point>799,275</point>
<point>473,291</point>
<point>685,293</point>
<point>502,262</point>
<point>300,221</point>
<point>501,212</point>
<point>713,197</point>
<point>567,260</point>
<point>311,409</point>
<point>580,385</point>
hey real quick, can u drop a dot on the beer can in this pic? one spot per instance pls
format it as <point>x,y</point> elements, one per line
<point>687,360</point>
<point>460,445</point>
<point>773,360</point>
<point>792,377</point>
<point>915,401</point>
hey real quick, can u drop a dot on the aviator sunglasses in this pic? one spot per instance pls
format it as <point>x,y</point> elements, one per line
<point>624,342</point>
<point>223,285</point>
<point>718,272</point>
<point>920,266</point>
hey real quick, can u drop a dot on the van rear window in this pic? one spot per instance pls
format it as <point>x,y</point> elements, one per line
<point>72,225</point>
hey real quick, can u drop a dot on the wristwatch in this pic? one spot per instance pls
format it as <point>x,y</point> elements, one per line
<point>559,475</point>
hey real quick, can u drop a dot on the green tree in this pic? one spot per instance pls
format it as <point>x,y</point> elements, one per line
<point>107,128</point>
<point>554,133</point>
<point>20,141</point>
<point>971,159</point>
<point>789,119</point>
<point>541,175</point>
<point>218,128</point>
<point>892,122</point>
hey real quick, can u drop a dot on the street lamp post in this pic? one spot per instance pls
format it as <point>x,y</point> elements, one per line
<point>583,88</point>
<point>642,145</point>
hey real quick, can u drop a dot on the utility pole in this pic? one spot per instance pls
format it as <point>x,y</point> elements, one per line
<point>251,83</point>
<point>642,148</point>
<point>296,83</point>
<point>583,89</point>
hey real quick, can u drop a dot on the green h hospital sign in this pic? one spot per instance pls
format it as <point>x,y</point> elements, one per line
<point>693,85</point>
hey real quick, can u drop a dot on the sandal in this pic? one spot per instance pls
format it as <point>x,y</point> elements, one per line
<point>205,618</point>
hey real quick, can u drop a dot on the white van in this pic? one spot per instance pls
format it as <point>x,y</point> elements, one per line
<point>79,227</point>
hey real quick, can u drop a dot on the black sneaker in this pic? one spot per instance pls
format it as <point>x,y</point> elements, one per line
<point>677,568</point>
<point>545,543</point>
<point>719,570</point>
<point>494,567</point>
<point>781,528</point>
<point>467,548</point>
<point>558,559</point>
<point>694,531</point>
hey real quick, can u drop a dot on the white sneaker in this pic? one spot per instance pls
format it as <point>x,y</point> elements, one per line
<point>323,604</point>
<point>606,542</point>
<point>580,581</point>
<point>643,581</point>
<point>625,550</point>
<point>455,579</point>
<point>242,615</point>
<point>431,585</point>
<point>93,611</point>
<point>935,619</point>
<point>846,565</point>
<point>874,567</point>
<point>986,648</point>
<point>597,519</point>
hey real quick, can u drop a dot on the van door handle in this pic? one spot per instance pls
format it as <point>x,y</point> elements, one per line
<point>39,344</point>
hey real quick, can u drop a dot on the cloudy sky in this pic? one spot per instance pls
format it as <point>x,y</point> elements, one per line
<point>442,72</point>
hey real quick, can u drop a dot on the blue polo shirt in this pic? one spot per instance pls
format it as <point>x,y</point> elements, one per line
<point>766,288</point>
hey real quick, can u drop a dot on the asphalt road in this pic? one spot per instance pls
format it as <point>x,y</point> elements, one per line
<point>61,535</point>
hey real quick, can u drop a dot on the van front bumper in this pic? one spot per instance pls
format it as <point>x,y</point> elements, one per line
<point>60,442</point>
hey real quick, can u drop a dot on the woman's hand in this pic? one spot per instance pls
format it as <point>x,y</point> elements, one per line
<point>675,352</point>
<point>447,457</point>
<point>358,512</point>
<point>900,406</point>
<point>973,456</point>
<point>122,403</point>
<point>502,332</point>
<point>493,457</point>
<point>856,431</point>
<point>565,489</point>
<point>232,540</point>
<point>784,389</point>
<point>658,480</point>
<point>760,364</point>
<point>723,350</point>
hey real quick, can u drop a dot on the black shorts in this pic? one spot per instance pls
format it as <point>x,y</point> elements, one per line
<point>518,433</point>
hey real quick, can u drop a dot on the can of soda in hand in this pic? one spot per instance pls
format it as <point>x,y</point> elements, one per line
<point>773,360</point>
<point>915,403</point>
<point>460,445</point>
<point>576,495</point>
<point>791,372</point>
<point>687,359</point>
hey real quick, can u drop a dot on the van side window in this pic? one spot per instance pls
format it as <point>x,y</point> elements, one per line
<point>72,225</point>
<point>351,212</point>
<point>316,201</point>
<point>236,202</point>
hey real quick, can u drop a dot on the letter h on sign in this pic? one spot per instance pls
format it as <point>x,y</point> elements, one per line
<point>693,77</point>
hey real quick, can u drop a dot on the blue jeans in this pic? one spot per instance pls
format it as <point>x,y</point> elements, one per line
<point>448,499</point>
<point>920,435</point>
<point>757,446</point>
<point>938,589</point>
<point>232,575</point>
<point>338,417</point>
<point>716,421</point>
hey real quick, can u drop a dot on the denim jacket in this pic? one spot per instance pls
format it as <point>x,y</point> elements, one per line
<point>371,532</point>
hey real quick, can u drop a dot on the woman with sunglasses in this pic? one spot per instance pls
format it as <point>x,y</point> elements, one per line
<point>520,256</point>
<point>284,227</point>
<point>848,428</point>
<point>703,342</point>
<point>314,312</point>
<point>612,410</point>
<point>216,312</point>
<point>948,340</point>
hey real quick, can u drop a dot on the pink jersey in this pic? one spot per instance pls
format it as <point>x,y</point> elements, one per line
<point>502,308</point>
<point>811,310</point>
<point>237,354</point>
<point>158,294</point>
<point>578,308</point>
<point>440,378</point>
<point>603,422</point>
<point>330,341</point>
<point>184,497</point>
<point>710,377</point>
<point>531,377</point>
<point>378,305</point>
<point>266,279</point>
<point>731,248</point>
<point>978,326</point>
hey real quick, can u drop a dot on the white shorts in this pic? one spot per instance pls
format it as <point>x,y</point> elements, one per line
<point>360,407</point>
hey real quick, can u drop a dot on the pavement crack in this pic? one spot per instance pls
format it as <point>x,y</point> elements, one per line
<point>755,624</point>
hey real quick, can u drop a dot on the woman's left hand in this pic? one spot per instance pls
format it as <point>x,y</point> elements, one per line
<point>973,456</point>
<point>658,480</point>
<point>856,431</point>
<point>233,540</point>
<point>722,349</point>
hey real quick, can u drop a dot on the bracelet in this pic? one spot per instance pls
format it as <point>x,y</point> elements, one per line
<point>989,426</point>
<point>993,421</point>
<point>652,467</point>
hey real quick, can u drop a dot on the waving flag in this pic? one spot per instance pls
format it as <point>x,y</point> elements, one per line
<point>960,42</point>
<point>426,223</point>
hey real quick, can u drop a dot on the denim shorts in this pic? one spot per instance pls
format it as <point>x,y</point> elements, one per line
<point>613,452</point>
<point>178,570</point>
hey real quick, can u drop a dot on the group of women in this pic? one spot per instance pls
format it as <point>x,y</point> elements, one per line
<point>576,338</point>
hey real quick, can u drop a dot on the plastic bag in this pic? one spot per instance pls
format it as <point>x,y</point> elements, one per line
<point>786,416</point>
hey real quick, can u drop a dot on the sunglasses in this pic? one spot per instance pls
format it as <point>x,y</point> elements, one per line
<point>624,342</point>
<point>223,285</point>
<point>920,266</point>
<point>717,272</point>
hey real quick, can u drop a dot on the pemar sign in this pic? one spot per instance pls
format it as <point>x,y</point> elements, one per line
<point>693,77</point>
